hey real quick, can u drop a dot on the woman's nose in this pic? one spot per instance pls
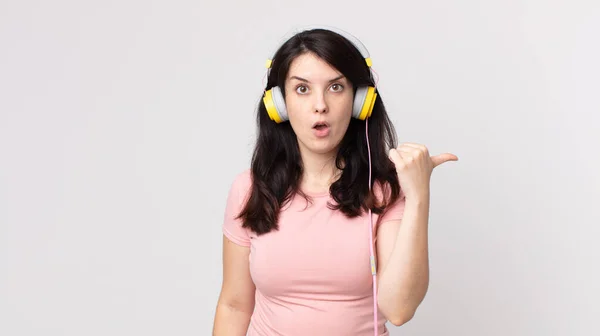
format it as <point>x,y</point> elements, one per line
<point>320,104</point>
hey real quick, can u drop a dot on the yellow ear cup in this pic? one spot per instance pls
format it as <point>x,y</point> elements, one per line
<point>270,106</point>
<point>367,108</point>
<point>372,105</point>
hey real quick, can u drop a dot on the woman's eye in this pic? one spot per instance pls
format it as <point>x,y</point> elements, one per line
<point>301,89</point>
<point>337,87</point>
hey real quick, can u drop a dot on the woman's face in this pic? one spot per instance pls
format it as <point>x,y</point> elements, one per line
<point>319,103</point>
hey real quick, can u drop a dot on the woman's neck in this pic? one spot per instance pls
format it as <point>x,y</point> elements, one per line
<point>319,172</point>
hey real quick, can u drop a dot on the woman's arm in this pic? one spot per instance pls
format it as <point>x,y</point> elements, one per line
<point>236,301</point>
<point>403,244</point>
<point>403,277</point>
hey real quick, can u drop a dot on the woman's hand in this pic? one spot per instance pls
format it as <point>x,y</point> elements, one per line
<point>414,167</point>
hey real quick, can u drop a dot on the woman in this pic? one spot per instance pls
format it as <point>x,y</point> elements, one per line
<point>301,224</point>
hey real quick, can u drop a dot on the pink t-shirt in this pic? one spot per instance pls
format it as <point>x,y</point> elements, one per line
<point>313,275</point>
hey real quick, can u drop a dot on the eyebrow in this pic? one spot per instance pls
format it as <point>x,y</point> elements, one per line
<point>305,80</point>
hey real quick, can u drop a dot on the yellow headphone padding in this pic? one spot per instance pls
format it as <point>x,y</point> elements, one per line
<point>270,106</point>
<point>367,107</point>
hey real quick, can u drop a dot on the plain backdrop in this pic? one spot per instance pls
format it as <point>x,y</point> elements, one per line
<point>123,124</point>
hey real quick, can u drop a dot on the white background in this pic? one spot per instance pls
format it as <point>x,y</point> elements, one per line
<point>123,123</point>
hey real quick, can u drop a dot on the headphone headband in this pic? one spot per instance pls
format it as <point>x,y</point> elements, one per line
<point>355,41</point>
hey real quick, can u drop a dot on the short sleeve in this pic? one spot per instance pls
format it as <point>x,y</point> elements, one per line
<point>232,226</point>
<point>394,211</point>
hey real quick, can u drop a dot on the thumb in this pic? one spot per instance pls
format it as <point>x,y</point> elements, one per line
<point>439,159</point>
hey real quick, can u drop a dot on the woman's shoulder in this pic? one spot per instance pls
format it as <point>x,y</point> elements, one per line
<point>243,176</point>
<point>242,180</point>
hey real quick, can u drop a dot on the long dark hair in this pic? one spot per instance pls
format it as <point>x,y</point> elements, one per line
<point>276,162</point>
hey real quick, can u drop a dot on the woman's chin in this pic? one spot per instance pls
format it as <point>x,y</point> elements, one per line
<point>322,147</point>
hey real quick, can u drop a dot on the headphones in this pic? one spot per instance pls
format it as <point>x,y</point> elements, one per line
<point>364,99</point>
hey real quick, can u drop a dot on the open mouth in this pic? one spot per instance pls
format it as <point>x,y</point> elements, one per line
<point>321,129</point>
<point>320,126</point>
